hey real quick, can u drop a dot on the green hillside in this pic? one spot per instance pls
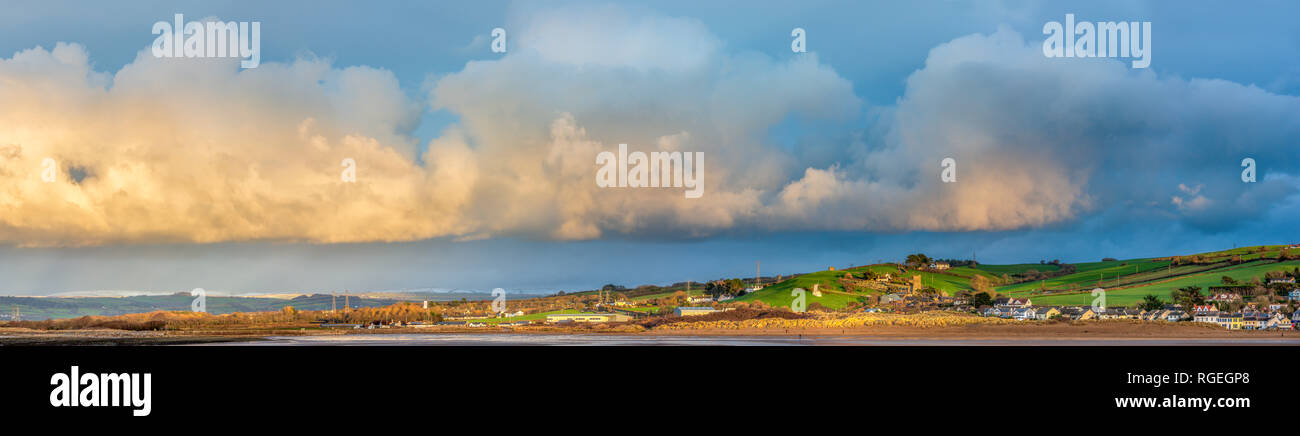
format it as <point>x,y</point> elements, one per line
<point>1089,275</point>
<point>1126,281</point>
<point>1132,295</point>
<point>999,270</point>
<point>779,294</point>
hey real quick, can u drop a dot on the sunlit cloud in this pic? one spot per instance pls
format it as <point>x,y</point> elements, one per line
<point>201,151</point>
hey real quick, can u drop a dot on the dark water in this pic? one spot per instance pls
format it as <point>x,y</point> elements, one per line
<point>475,339</point>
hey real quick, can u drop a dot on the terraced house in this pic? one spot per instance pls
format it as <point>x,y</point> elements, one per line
<point>1230,321</point>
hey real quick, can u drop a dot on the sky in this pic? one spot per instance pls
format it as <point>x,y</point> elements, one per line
<point>474,169</point>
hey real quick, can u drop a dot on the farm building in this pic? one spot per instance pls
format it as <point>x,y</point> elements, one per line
<point>690,311</point>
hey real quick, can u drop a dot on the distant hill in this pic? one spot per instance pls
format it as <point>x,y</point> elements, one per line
<point>37,308</point>
<point>56,307</point>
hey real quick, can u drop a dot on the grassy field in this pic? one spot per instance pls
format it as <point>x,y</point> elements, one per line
<point>999,270</point>
<point>951,282</point>
<point>970,272</point>
<point>1248,253</point>
<point>779,294</point>
<point>696,290</point>
<point>1131,296</point>
<point>1089,275</point>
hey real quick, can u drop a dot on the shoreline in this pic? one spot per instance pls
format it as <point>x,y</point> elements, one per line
<point>1091,332</point>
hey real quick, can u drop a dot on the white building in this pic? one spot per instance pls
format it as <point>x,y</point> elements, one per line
<point>557,318</point>
<point>693,311</point>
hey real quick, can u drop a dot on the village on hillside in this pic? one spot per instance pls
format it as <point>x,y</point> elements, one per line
<point>1250,288</point>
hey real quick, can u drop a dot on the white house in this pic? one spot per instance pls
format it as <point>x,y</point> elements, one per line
<point>1042,312</point>
<point>1014,302</point>
<point>1207,316</point>
<point>1279,322</point>
<point>557,318</point>
<point>1022,313</point>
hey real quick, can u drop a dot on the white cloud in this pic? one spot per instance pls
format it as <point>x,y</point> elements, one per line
<point>201,151</point>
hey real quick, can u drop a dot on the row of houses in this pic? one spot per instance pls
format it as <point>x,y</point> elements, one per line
<point>1022,313</point>
<point>1251,320</point>
<point>481,324</point>
<point>1080,313</point>
<point>1294,295</point>
<point>565,318</point>
<point>707,299</point>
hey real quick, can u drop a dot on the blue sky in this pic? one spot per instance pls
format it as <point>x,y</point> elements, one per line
<point>1069,159</point>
